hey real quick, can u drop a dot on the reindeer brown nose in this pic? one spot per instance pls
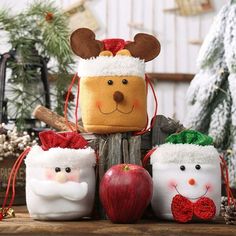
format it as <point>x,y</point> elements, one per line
<point>118,96</point>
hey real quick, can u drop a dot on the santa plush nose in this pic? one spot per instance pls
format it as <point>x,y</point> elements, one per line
<point>61,177</point>
<point>192,181</point>
<point>118,96</point>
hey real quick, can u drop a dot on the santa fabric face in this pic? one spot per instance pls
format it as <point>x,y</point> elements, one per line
<point>187,178</point>
<point>60,177</point>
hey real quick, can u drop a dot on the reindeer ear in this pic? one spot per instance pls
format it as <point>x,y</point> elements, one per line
<point>84,44</point>
<point>145,47</point>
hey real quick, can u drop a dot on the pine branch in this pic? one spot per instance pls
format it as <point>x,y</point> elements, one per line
<point>41,26</point>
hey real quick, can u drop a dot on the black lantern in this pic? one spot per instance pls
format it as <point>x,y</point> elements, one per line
<point>37,65</point>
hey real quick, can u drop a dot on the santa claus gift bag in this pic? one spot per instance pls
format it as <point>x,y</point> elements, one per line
<point>186,177</point>
<point>60,177</point>
<point>113,85</point>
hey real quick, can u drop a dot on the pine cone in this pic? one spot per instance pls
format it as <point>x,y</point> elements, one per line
<point>228,212</point>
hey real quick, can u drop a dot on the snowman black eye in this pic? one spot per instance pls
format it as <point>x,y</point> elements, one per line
<point>198,167</point>
<point>182,168</point>
<point>57,169</point>
<point>68,169</point>
<point>110,82</point>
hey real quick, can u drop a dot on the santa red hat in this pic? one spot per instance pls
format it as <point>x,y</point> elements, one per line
<point>61,149</point>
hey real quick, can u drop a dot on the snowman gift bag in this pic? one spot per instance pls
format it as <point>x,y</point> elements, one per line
<point>60,177</point>
<point>186,177</point>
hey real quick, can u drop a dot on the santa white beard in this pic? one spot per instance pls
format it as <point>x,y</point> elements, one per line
<point>72,191</point>
<point>47,199</point>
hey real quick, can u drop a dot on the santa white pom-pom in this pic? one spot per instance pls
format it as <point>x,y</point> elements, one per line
<point>60,177</point>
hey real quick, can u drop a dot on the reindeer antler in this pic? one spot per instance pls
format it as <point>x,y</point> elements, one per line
<point>145,47</point>
<point>84,44</point>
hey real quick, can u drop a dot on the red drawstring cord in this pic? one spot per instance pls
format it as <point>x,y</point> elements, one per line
<point>12,178</point>
<point>147,156</point>
<point>226,180</point>
<point>77,104</point>
<point>67,101</point>
<point>156,104</point>
<point>97,157</point>
<point>145,130</point>
<point>147,120</point>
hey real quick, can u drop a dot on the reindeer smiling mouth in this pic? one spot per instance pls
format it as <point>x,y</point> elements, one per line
<point>116,109</point>
<point>118,97</point>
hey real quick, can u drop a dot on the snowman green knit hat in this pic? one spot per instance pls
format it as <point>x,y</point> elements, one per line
<point>188,146</point>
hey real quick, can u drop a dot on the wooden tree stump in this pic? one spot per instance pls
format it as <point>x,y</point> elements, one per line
<point>117,148</point>
<point>163,128</point>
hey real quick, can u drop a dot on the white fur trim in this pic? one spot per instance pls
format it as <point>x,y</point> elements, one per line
<point>60,156</point>
<point>185,153</point>
<point>111,66</point>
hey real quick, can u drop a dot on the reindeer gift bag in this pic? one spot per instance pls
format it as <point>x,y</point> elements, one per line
<point>60,177</point>
<point>113,88</point>
<point>186,178</point>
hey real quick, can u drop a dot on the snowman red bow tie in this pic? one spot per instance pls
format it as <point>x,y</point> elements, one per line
<point>183,209</point>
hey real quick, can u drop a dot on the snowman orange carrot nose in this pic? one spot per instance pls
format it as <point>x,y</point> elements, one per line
<point>191,181</point>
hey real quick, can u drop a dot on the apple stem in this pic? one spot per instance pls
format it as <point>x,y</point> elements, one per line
<point>126,167</point>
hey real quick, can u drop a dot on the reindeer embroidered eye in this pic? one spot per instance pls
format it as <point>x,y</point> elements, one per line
<point>110,82</point>
<point>68,169</point>
<point>182,168</point>
<point>57,169</point>
<point>125,81</point>
<point>198,167</point>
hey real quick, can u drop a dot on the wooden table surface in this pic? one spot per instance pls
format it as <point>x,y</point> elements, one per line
<point>23,225</point>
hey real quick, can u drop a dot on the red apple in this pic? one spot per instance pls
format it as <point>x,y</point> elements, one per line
<point>125,192</point>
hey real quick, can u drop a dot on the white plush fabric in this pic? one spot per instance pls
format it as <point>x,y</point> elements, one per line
<point>49,198</point>
<point>118,65</point>
<point>168,175</point>
<point>47,189</point>
<point>60,156</point>
<point>187,153</point>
